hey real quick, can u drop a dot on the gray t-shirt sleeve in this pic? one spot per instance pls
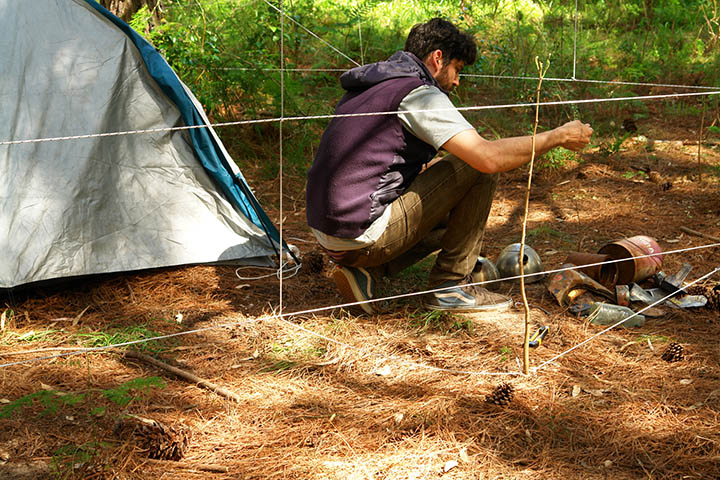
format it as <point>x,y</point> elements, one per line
<point>432,127</point>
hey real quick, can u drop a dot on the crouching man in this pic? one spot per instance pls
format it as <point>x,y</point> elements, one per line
<point>367,201</point>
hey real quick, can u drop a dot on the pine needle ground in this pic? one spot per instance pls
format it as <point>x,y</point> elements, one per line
<point>362,407</point>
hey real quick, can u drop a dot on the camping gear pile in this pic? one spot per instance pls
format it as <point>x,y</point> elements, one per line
<point>606,288</point>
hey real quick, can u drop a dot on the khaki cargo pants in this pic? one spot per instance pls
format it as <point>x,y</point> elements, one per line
<point>446,207</point>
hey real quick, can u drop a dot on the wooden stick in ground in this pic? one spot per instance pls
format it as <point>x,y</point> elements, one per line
<point>184,375</point>
<point>700,234</point>
<point>700,141</point>
<point>526,343</point>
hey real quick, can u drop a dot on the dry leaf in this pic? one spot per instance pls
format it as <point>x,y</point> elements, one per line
<point>449,465</point>
<point>76,320</point>
<point>464,455</point>
<point>596,393</point>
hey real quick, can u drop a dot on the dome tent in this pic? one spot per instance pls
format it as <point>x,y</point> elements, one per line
<point>100,204</point>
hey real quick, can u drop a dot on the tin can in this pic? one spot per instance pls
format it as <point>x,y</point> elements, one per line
<point>643,254</point>
<point>605,273</point>
<point>608,314</point>
<point>622,294</point>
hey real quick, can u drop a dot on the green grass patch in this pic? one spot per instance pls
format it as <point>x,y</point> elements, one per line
<point>31,336</point>
<point>51,400</point>
<point>557,158</point>
<point>634,174</point>
<point>544,232</point>
<point>287,353</point>
<point>69,460</point>
<point>652,338</point>
<point>438,320</point>
<point>125,335</point>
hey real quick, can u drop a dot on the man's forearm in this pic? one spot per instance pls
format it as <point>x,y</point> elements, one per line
<point>492,156</point>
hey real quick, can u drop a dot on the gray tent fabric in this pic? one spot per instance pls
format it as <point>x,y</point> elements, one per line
<point>100,204</point>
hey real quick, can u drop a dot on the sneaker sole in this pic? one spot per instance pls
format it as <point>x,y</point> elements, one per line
<point>350,290</point>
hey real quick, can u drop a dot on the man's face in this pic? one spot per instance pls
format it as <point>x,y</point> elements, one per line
<point>449,75</point>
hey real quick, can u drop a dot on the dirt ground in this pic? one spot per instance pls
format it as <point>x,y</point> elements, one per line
<point>331,394</point>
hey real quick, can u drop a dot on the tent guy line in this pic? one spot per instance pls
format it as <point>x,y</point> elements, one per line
<point>325,117</point>
<point>282,12</point>
<point>282,317</point>
<point>498,77</point>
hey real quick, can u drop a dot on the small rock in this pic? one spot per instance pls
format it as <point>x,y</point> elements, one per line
<point>686,381</point>
<point>608,463</point>
<point>383,371</point>
<point>576,390</point>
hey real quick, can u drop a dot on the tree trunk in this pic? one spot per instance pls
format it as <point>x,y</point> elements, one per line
<point>125,9</point>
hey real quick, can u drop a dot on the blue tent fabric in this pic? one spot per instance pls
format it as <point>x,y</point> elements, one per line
<point>75,202</point>
<point>235,187</point>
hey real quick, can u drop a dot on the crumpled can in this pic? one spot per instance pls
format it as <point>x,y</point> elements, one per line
<point>608,314</point>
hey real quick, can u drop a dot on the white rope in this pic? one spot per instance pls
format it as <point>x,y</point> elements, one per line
<point>250,69</point>
<point>312,33</point>
<point>499,77</point>
<point>352,304</point>
<point>581,80</point>
<point>283,272</point>
<point>282,119</point>
<point>639,312</point>
<point>331,116</point>
<point>126,344</point>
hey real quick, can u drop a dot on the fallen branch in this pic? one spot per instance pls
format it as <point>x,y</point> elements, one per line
<point>699,234</point>
<point>190,377</point>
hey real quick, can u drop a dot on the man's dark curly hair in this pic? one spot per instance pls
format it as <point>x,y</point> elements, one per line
<point>439,34</point>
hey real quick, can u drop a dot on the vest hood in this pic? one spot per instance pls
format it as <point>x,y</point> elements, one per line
<point>401,64</point>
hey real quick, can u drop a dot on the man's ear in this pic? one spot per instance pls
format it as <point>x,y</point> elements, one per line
<point>434,61</point>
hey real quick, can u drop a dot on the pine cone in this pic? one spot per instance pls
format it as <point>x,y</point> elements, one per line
<point>315,262</point>
<point>709,292</point>
<point>502,395</point>
<point>629,125</point>
<point>159,441</point>
<point>674,353</point>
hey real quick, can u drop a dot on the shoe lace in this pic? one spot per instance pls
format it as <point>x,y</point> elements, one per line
<point>475,289</point>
